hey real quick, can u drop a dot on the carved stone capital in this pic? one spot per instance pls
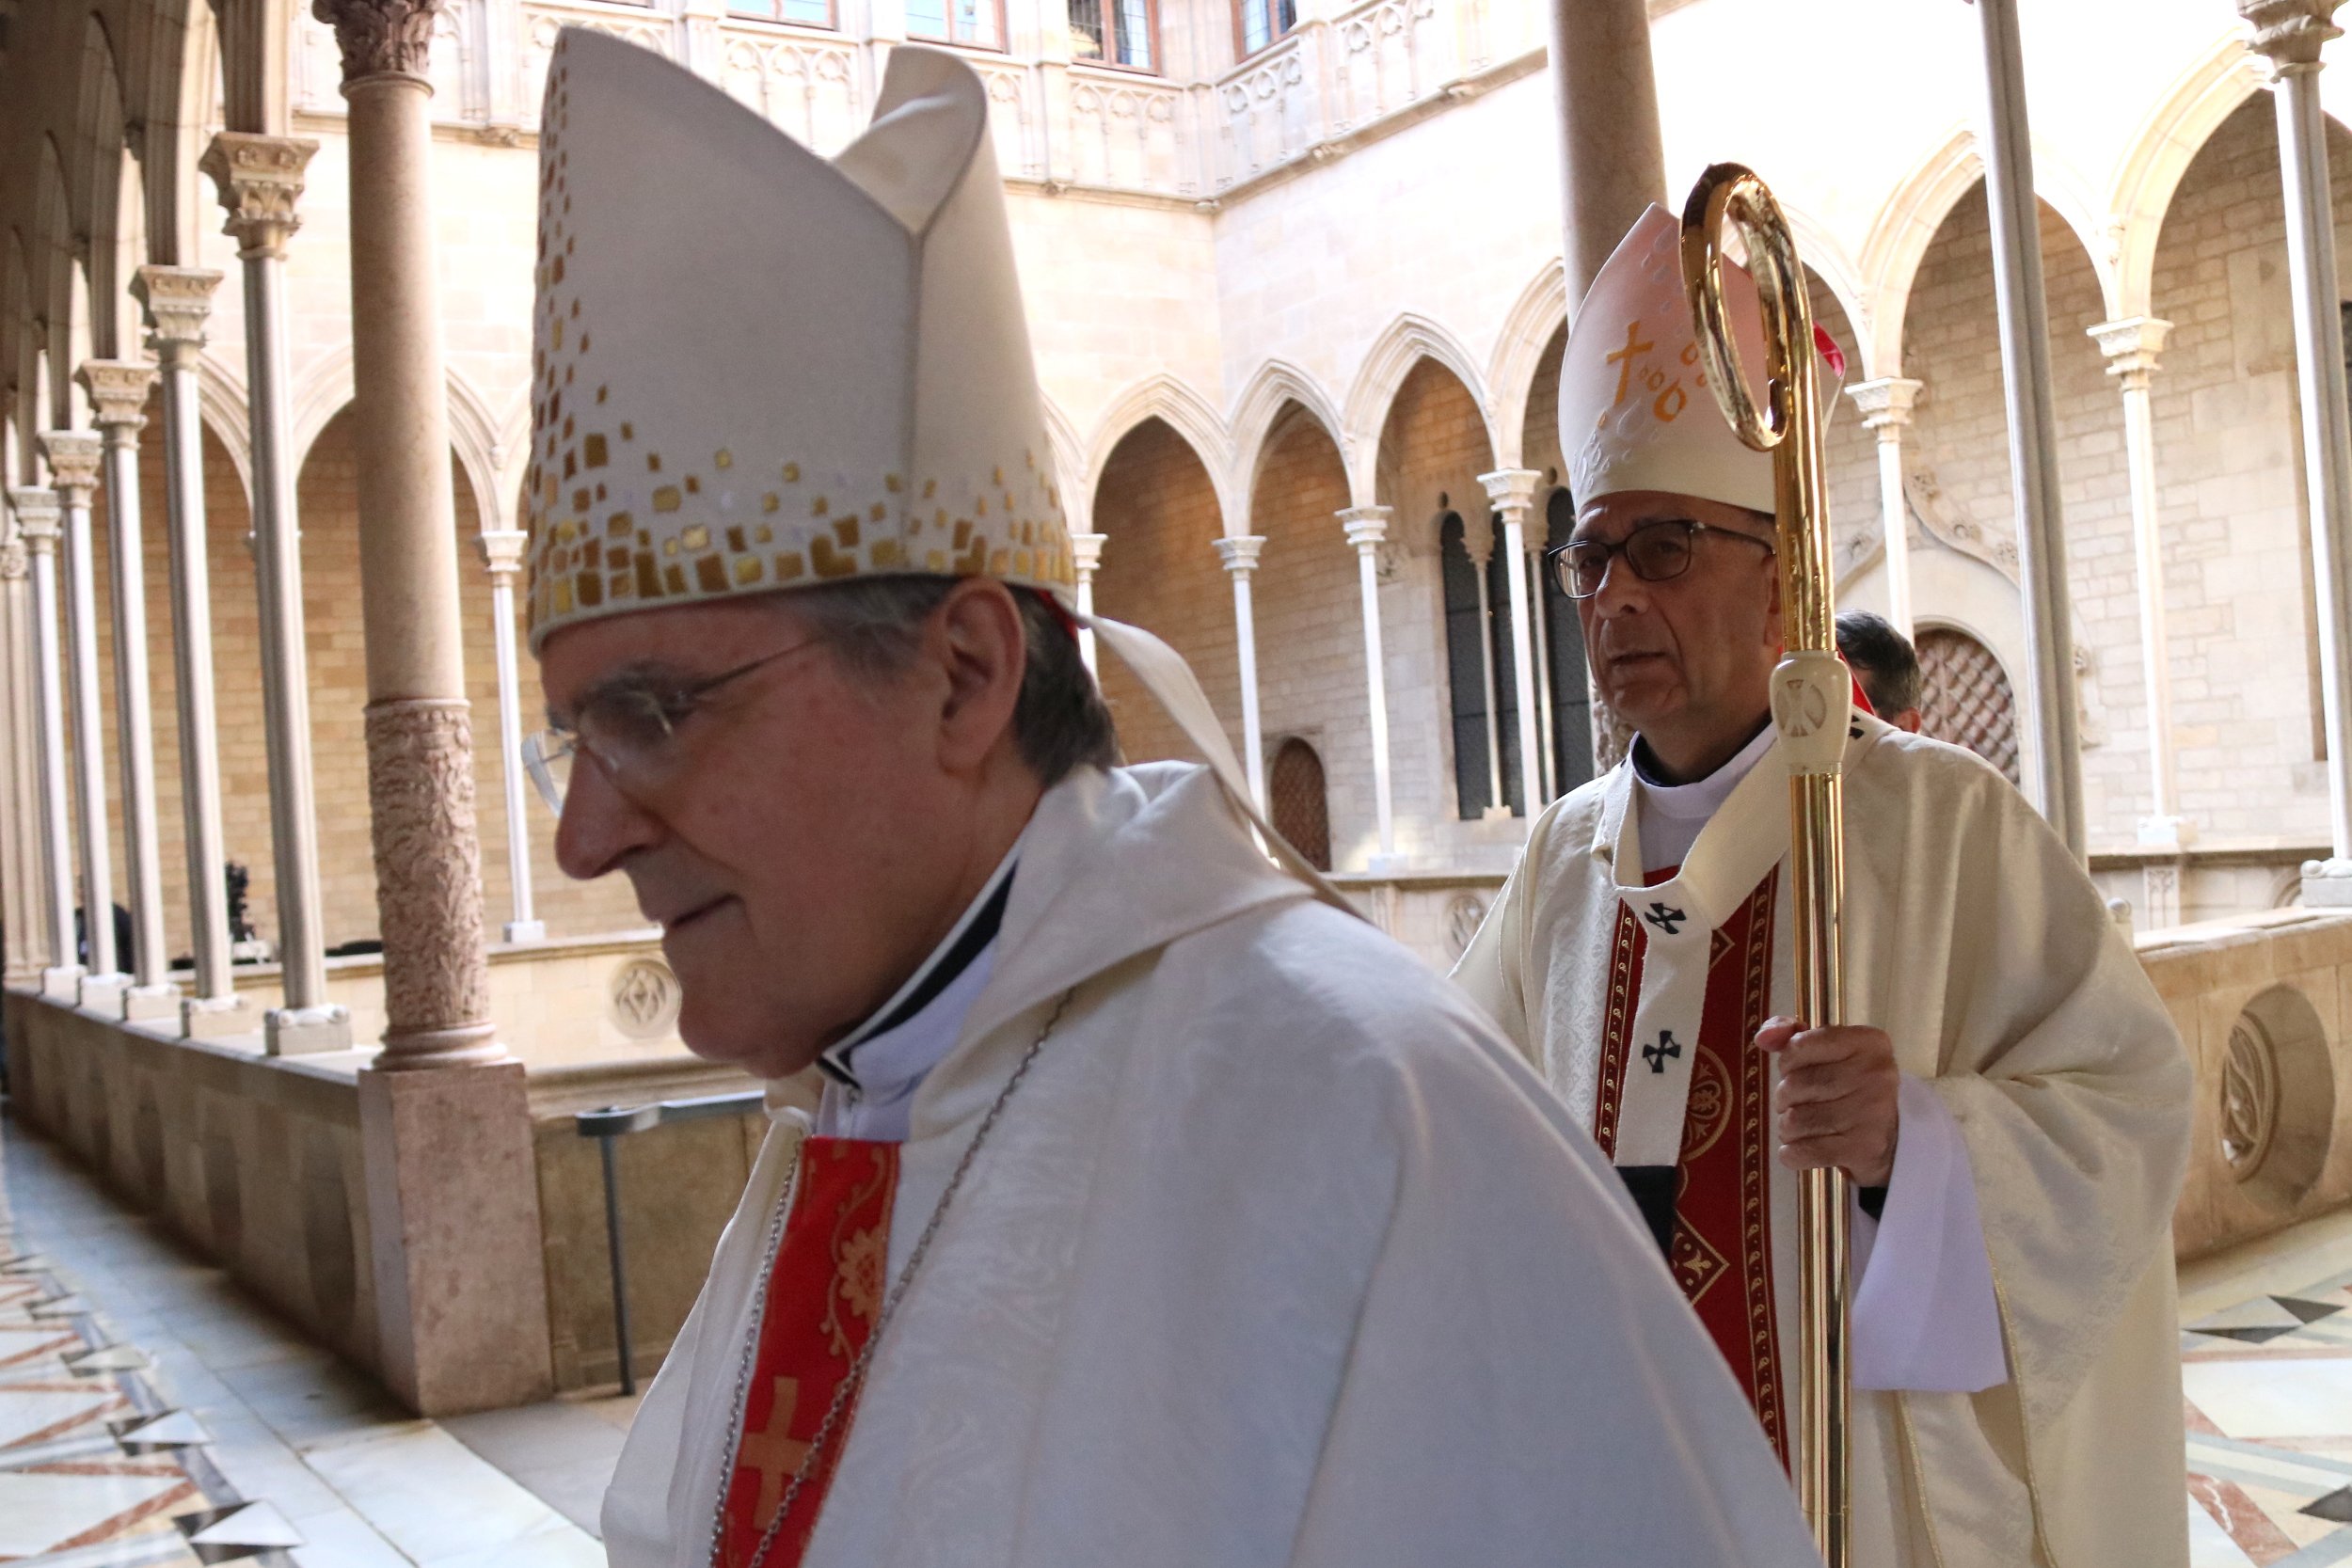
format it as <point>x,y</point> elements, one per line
<point>502,550</point>
<point>74,456</point>
<point>1085,554</point>
<point>260,180</point>
<point>428,884</point>
<point>1512,491</point>
<point>118,391</point>
<point>1367,526</point>
<point>176,301</point>
<point>1886,404</point>
<point>15,560</point>
<point>38,513</point>
<point>2289,33</point>
<point>2131,346</point>
<point>381,37</point>
<point>1240,552</point>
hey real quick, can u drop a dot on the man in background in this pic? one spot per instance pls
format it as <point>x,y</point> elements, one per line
<point>1883,660</point>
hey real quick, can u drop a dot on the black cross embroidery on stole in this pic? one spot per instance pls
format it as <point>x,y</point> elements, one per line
<point>1656,1055</point>
<point>1666,920</point>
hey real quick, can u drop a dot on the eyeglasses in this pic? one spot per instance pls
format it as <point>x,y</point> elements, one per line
<point>629,729</point>
<point>1656,551</point>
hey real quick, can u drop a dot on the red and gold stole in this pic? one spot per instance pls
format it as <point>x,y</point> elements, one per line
<point>1720,1253</point>
<point>824,1292</point>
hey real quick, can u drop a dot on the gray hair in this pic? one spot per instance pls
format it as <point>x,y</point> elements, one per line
<point>873,626</point>
<point>1883,660</point>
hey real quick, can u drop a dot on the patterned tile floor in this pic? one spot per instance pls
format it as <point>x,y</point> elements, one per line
<point>152,1414</point>
<point>2266,1365</point>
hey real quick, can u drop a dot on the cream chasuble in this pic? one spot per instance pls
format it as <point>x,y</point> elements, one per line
<point>1978,944</point>
<point>1279,1256</point>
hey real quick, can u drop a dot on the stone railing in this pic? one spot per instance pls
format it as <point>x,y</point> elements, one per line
<point>1063,125</point>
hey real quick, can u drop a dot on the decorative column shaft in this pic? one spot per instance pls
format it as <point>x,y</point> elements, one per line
<point>1885,406</point>
<point>1368,530</point>
<point>74,459</point>
<point>460,1306</point>
<point>420,726</point>
<point>1479,545</point>
<point>2131,347</point>
<point>1546,769</point>
<point>177,300</point>
<point>1086,556</point>
<point>503,552</point>
<point>2290,34</point>
<point>1613,156</point>
<point>260,180</point>
<point>1240,554</point>
<point>117,393</point>
<point>2025,324</point>
<point>38,519</point>
<point>19,768</point>
<point>1513,492</point>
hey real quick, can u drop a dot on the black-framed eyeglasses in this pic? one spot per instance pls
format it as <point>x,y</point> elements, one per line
<point>1656,551</point>
<point>630,729</point>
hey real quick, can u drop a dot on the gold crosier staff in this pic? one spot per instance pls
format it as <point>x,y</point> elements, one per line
<point>1811,703</point>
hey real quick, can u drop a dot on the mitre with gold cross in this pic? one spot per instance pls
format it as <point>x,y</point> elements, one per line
<point>822,373</point>
<point>1635,410</point>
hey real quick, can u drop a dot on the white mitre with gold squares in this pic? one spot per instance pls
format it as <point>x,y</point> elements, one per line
<point>754,369</point>
<point>1636,412</point>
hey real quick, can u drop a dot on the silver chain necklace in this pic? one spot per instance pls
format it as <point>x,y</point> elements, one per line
<point>848,1388</point>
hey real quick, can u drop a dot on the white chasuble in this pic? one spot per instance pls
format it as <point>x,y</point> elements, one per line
<point>1979,944</point>
<point>1279,1257</point>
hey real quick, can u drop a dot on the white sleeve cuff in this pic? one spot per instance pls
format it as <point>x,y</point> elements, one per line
<point>1925,1317</point>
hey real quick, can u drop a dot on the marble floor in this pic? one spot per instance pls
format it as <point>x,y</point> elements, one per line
<point>151,1413</point>
<point>2267,1366</point>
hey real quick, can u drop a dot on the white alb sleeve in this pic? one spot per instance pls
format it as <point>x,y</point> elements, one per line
<point>1925,1317</point>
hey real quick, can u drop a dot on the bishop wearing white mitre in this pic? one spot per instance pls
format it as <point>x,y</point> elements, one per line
<point>1158,1211</point>
<point>2012,1100</point>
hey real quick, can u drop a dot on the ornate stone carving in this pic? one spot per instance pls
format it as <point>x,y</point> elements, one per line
<point>645,999</point>
<point>428,883</point>
<point>503,550</point>
<point>1240,552</point>
<point>37,519</point>
<point>381,37</point>
<point>2289,33</point>
<point>14,559</point>
<point>1886,404</point>
<point>2131,346</point>
<point>260,180</point>
<point>1513,492</point>
<point>74,459</point>
<point>2249,1097</point>
<point>1925,493</point>
<point>118,393</point>
<point>1086,553</point>
<point>1463,916</point>
<point>176,301</point>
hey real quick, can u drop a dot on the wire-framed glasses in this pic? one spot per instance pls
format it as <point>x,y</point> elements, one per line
<point>1656,551</point>
<point>629,729</point>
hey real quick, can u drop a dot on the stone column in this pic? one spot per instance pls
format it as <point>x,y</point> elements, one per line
<point>2131,347</point>
<point>1885,406</point>
<point>1513,492</point>
<point>2289,34</point>
<point>461,1306</point>
<point>2032,424</point>
<point>19,777</point>
<point>1240,554</point>
<point>1478,542</point>
<point>260,180</point>
<point>1368,530</point>
<point>1086,556</point>
<point>428,872</point>
<point>177,300</point>
<point>1613,157</point>
<point>117,393</point>
<point>1544,763</point>
<point>37,519</point>
<point>503,552</point>
<point>74,459</point>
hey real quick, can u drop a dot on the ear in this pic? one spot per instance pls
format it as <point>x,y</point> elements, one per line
<point>981,647</point>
